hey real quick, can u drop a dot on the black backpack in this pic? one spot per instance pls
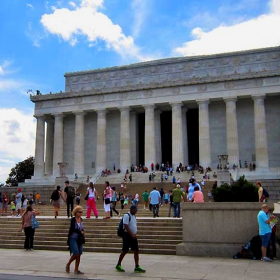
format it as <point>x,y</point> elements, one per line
<point>265,193</point>
<point>71,193</point>
<point>120,230</point>
<point>55,195</point>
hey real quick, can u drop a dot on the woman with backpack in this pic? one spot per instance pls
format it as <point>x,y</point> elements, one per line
<point>91,201</point>
<point>26,226</point>
<point>55,197</point>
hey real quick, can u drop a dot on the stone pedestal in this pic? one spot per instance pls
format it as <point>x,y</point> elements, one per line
<point>60,180</point>
<point>217,229</point>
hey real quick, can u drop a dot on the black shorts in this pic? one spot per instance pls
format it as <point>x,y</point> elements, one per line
<point>129,242</point>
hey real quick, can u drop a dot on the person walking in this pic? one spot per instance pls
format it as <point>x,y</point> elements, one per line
<point>177,195</point>
<point>26,226</point>
<point>264,220</point>
<point>154,201</point>
<point>70,194</point>
<point>55,199</point>
<point>76,239</point>
<point>18,202</point>
<point>145,196</point>
<point>107,199</point>
<point>91,202</point>
<point>130,240</point>
<point>113,205</point>
<point>5,203</point>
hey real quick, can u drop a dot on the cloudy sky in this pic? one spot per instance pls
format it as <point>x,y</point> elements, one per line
<point>41,40</point>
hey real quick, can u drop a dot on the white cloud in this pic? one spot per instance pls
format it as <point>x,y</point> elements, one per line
<point>72,4</point>
<point>17,140</point>
<point>85,20</point>
<point>259,32</point>
<point>140,10</point>
<point>30,6</point>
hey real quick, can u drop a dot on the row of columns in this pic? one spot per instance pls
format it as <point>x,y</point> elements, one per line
<point>54,149</point>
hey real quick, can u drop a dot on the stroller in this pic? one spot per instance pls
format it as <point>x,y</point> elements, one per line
<point>251,250</point>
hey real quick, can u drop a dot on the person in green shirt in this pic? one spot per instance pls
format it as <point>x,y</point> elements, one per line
<point>145,196</point>
<point>177,195</point>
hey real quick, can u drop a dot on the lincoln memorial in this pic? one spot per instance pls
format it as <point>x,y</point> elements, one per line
<point>183,110</point>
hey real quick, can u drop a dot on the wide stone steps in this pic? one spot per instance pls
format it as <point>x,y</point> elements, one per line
<point>156,236</point>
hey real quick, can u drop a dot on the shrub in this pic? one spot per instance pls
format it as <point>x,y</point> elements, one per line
<point>240,191</point>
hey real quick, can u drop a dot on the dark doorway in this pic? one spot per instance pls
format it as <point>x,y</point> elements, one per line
<point>166,136</point>
<point>192,130</point>
<point>141,138</point>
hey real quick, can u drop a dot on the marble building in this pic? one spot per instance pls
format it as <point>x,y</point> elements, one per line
<point>184,109</point>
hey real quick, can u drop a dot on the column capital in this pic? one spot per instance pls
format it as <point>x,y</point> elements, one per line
<point>100,111</point>
<point>175,104</point>
<point>81,113</point>
<point>203,101</point>
<point>149,106</point>
<point>258,96</point>
<point>124,108</point>
<point>227,99</point>
<point>39,117</point>
<point>58,115</point>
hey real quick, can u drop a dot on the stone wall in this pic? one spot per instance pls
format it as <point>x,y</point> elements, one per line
<point>217,229</point>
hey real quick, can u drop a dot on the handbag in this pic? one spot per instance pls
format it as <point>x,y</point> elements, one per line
<point>34,222</point>
<point>86,197</point>
<point>81,239</point>
<point>107,200</point>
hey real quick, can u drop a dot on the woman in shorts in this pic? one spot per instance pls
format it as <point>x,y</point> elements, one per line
<point>74,242</point>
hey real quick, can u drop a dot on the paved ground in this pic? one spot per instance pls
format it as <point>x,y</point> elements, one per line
<point>43,265</point>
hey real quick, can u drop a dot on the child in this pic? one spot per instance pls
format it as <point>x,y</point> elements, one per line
<point>209,196</point>
<point>125,201</point>
<point>24,204</point>
<point>13,208</point>
<point>166,197</point>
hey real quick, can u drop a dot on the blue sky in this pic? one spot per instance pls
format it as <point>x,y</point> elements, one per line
<point>41,40</point>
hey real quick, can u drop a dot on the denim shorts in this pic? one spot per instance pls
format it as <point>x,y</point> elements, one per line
<point>76,249</point>
<point>265,239</point>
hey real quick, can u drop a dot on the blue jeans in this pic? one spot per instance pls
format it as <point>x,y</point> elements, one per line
<point>177,209</point>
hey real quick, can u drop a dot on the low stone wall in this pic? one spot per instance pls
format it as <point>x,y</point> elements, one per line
<point>217,229</point>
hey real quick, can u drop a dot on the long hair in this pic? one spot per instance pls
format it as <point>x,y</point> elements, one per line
<point>28,208</point>
<point>91,185</point>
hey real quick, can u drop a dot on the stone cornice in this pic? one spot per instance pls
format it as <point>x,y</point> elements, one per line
<point>170,73</point>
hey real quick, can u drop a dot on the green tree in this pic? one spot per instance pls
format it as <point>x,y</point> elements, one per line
<point>23,170</point>
<point>238,191</point>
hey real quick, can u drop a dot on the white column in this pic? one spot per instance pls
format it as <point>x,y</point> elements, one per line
<point>204,133</point>
<point>260,132</point>
<point>232,131</point>
<point>58,144</point>
<point>101,147</point>
<point>177,135</point>
<point>49,147</point>
<point>185,136</point>
<point>39,166</point>
<point>79,148</point>
<point>150,142</point>
<point>125,154</point>
<point>158,136</point>
<point>133,137</point>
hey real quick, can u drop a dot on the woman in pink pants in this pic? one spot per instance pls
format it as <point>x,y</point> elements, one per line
<point>91,202</point>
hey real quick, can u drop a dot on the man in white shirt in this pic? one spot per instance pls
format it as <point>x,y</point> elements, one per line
<point>130,240</point>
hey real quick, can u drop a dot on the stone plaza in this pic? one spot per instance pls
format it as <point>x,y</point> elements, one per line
<point>183,110</point>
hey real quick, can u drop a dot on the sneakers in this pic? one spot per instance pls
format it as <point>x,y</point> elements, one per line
<point>266,259</point>
<point>119,215</point>
<point>119,268</point>
<point>139,269</point>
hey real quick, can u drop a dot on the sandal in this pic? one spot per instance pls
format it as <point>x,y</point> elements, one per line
<point>67,268</point>
<point>78,272</point>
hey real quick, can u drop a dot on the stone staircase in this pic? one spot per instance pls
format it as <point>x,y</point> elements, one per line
<point>156,236</point>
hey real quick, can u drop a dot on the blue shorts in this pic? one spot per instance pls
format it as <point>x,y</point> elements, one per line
<point>265,239</point>
<point>76,249</point>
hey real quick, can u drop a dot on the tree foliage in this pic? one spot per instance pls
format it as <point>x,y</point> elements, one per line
<point>23,170</point>
<point>240,191</point>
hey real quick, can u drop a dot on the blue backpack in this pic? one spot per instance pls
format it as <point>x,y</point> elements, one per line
<point>34,222</point>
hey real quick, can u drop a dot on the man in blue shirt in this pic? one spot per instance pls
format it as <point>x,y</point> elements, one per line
<point>265,230</point>
<point>154,201</point>
<point>192,185</point>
